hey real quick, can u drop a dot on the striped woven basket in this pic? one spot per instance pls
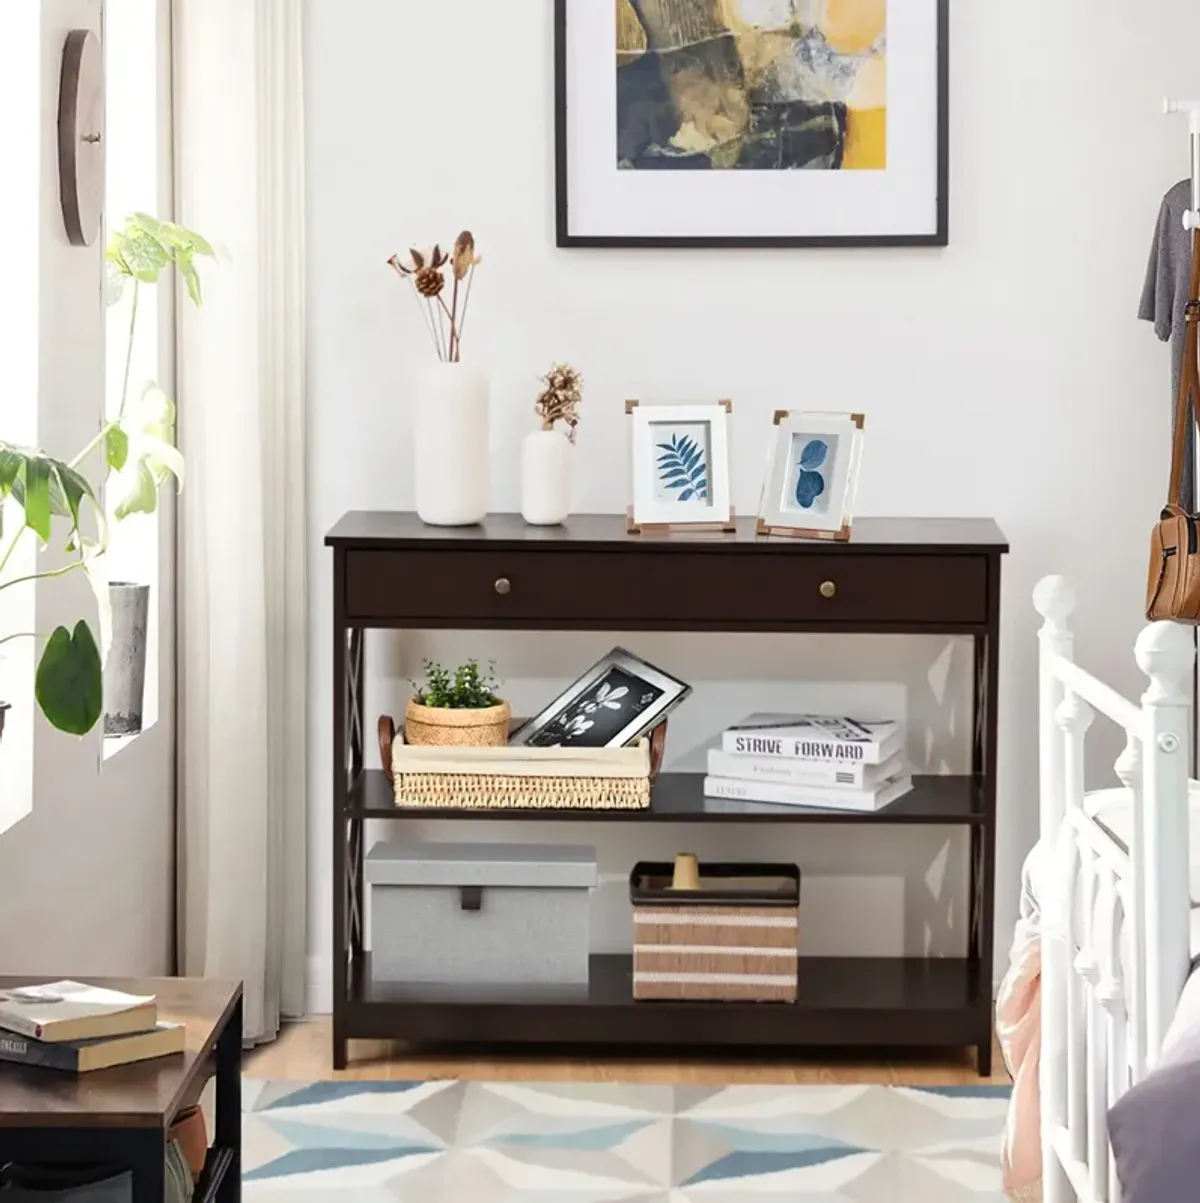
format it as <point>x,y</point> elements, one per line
<point>520,778</point>
<point>734,939</point>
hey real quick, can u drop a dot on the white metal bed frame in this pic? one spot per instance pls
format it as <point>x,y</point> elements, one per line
<point>1104,1014</point>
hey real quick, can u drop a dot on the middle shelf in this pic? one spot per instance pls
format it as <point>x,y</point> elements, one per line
<point>680,798</point>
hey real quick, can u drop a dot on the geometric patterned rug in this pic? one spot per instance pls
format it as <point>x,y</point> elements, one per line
<point>513,1142</point>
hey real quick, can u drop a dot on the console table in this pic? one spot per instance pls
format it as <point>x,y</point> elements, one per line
<point>917,576</point>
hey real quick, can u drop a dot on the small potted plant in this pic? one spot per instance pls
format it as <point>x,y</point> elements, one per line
<point>457,707</point>
<point>546,453</point>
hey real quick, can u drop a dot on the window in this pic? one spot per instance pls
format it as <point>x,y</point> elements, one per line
<point>20,218</point>
<point>137,169</point>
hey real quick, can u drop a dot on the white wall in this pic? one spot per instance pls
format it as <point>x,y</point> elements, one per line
<point>86,879</point>
<point>1004,376</point>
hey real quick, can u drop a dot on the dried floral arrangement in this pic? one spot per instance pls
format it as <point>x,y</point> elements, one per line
<point>559,400</point>
<point>424,270</point>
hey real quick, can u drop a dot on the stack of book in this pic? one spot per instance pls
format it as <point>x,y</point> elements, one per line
<point>825,761</point>
<point>74,1027</point>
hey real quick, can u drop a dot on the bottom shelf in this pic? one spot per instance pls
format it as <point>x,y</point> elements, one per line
<point>878,1001</point>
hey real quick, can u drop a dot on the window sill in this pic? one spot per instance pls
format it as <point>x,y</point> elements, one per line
<point>114,745</point>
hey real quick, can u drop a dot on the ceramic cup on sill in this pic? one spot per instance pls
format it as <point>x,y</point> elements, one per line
<point>125,668</point>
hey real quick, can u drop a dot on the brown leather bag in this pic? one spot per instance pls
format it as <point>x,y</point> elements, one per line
<point>1173,585</point>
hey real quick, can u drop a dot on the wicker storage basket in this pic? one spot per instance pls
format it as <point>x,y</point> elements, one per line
<point>521,778</point>
<point>734,939</point>
<point>439,726</point>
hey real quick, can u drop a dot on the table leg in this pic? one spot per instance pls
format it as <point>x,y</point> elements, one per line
<point>148,1166</point>
<point>342,663</point>
<point>228,1133</point>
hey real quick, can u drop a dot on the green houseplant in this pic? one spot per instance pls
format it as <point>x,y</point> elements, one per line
<point>139,457</point>
<point>457,707</point>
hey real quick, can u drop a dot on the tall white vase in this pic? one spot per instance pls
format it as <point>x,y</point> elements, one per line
<point>450,445</point>
<point>546,478</point>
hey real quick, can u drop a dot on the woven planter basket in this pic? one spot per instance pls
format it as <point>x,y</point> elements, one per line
<point>520,778</point>
<point>439,726</point>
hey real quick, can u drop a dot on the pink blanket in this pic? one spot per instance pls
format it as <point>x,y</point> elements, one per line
<point>1019,1028</point>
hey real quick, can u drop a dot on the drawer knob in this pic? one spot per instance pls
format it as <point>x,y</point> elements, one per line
<point>828,589</point>
<point>504,586</point>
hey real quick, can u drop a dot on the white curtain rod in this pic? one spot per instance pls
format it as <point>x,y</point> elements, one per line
<point>1191,219</point>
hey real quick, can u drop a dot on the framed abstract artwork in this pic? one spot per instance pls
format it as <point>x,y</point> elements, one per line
<point>680,458</point>
<point>812,475</point>
<point>711,123</point>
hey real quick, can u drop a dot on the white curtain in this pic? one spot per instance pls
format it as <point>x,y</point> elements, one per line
<point>239,168</point>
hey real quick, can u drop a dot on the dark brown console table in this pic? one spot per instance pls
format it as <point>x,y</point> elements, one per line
<point>918,576</point>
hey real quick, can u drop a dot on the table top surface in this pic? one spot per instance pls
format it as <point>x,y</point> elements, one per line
<point>148,1094</point>
<point>402,529</point>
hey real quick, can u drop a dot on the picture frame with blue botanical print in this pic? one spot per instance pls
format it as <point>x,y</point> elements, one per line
<point>680,458</point>
<point>812,475</point>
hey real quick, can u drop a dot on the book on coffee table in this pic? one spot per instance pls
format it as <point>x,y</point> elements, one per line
<point>83,1056</point>
<point>61,1011</point>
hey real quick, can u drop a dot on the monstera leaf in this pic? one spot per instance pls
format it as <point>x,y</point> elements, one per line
<point>70,680</point>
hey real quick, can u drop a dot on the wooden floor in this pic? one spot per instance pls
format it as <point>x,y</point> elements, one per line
<point>302,1054</point>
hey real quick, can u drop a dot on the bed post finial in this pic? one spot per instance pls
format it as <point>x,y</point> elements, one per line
<point>1164,653</point>
<point>1054,600</point>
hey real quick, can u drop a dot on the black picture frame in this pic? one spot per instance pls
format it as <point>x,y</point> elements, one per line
<point>670,689</point>
<point>565,239</point>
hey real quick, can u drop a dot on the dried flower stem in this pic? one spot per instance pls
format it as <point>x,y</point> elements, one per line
<point>427,317</point>
<point>454,336</point>
<point>462,322</point>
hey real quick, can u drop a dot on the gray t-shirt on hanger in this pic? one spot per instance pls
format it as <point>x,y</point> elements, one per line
<point>1164,302</point>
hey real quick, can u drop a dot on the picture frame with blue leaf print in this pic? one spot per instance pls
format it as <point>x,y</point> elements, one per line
<point>812,475</point>
<point>680,458</point>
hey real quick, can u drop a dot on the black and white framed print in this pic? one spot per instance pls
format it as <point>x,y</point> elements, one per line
<point>616,701</point>
<point>752,122</point>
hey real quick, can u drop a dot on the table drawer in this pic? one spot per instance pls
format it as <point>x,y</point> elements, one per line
<point>667,587</point>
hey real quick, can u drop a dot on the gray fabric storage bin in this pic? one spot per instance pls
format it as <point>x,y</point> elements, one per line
<point>464,914</point>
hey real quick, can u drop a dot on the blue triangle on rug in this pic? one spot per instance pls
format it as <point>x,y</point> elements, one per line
<point>583,1139</point>
<point>330,1134</point>
<point>306,1161</point>
<point>745,1164</point>
<point>964,1092</point>
<point>317,1093</point>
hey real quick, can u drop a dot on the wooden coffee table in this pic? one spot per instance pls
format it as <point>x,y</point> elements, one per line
<point>121,1116</point>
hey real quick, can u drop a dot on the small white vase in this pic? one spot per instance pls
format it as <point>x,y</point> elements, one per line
<point>546,457</point>
<point>450,445</point>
